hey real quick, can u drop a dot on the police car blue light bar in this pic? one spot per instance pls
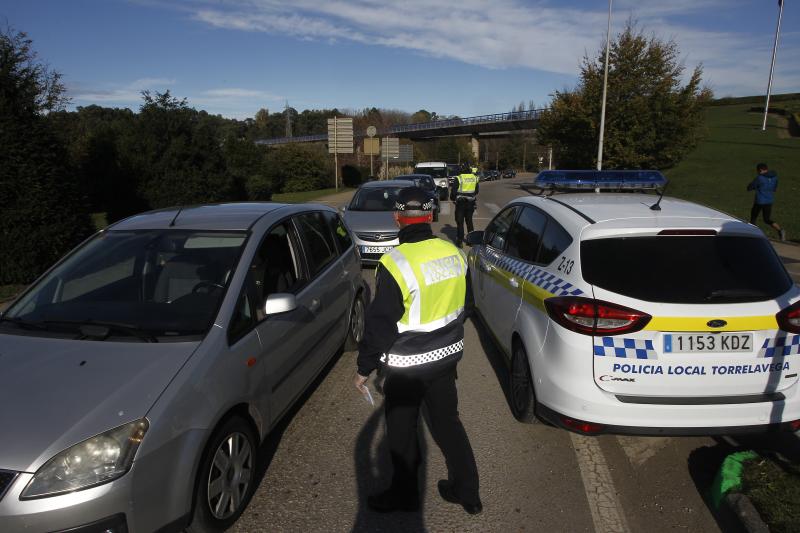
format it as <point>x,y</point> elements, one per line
<point>600,179</point>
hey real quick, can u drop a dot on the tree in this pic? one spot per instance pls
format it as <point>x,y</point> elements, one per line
<point>298,167</point>
<point>652,118</point>
<point>44,213</point>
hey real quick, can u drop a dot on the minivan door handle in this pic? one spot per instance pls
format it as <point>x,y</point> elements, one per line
<point>314,305</point>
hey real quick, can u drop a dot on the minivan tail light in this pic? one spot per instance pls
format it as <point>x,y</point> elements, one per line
<point>789,318</point>
<point>594,317</point>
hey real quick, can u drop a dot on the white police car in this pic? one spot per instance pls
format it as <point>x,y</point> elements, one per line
<point>625,312</point>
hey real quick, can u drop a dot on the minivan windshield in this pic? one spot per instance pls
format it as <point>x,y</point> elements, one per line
<point>686,269</point>
<point>132,285</point>
<point>434,172</point>
<point>374,199</point>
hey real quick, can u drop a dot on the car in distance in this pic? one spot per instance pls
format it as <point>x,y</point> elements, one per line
<point>147,366</point>
<point>370,217</point>
<point>424,182</point>
<point>632,314</point>
<point>509,173</point>
<point>439,172</point>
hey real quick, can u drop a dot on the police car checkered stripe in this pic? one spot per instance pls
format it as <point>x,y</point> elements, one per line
<point>405,361</point>
<point>533,274</point>
<point>781,345</point>
<point>622,347</point>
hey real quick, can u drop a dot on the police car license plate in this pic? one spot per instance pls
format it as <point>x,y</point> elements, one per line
<point>708,342</point>
<point>376,249</point>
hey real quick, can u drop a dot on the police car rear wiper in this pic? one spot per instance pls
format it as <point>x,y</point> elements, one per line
<point>101,330</point>
<point>726,294</point>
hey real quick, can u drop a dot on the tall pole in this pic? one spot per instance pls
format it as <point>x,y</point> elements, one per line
<point>605,89</point>
<point>335,156</point>
<point>772,66</point>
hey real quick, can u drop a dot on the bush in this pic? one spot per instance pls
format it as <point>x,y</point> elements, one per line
<point>259,188</point>
<point>297,168</point>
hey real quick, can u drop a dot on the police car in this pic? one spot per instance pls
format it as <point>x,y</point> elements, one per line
<point>633,313</point>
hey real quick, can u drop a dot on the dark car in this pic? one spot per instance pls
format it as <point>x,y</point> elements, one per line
<point>424,182</point>
<point>509,173</point>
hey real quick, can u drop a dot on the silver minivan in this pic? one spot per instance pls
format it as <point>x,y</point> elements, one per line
<point>141,373</point>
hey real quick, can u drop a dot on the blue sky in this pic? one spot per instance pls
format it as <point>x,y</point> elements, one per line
<point>464,57</point>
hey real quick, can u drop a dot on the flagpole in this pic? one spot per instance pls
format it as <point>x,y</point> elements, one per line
<point>605,87</point>
<point>772,66</point>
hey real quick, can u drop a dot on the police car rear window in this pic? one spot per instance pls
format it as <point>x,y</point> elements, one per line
<point>686,269</point>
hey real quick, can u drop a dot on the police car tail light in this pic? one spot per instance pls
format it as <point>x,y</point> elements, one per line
<point>789,318</point>
<point>594,317</point>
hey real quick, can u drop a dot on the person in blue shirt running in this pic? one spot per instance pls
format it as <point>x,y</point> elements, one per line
<point>765,184</point>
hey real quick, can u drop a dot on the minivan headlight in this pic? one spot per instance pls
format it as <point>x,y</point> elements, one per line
<point>95,461</point>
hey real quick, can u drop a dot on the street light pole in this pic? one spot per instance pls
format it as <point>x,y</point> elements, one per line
<point>605,88</point>
<point>772,66</point>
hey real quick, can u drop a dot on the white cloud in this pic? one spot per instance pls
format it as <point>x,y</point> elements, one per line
<point>129,94</point>
<point>537,34</point>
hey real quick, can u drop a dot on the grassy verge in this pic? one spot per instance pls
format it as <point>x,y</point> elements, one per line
<point>9,291</point>
<point>718,171</point>
<point>774,489</point>
<point>306,196</point>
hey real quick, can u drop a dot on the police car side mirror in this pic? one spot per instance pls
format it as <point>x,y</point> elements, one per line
<point>278,303</point>
<point>474,238</point>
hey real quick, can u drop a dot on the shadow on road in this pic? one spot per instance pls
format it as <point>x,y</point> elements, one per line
<point>449,231</point>
<point>494,355</point>
<point>374,473</point>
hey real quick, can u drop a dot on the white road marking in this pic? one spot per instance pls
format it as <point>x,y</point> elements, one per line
<point>640,449</point>
<point>606,509</point>
<point>493,208</point>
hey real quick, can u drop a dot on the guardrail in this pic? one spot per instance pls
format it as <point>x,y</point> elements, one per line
<point>497,118</point>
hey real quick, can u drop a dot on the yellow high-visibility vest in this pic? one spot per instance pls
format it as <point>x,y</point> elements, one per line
<point>431,275</point>
<point>467,183</point>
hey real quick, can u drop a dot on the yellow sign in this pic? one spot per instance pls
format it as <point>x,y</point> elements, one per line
<point>372,146</point>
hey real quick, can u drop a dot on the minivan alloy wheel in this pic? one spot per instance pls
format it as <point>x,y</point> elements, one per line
<point>230,476</point>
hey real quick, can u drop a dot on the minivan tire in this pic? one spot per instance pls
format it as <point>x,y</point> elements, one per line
<point>233,432</point>
<point>355,329</point>
<point>520,387</point>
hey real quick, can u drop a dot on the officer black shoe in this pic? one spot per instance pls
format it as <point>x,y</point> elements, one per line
<point>446,492</point>
<point>389,501</point>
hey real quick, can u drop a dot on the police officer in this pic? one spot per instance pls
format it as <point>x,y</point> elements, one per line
<point>414,329</point>
<point>465,193</point>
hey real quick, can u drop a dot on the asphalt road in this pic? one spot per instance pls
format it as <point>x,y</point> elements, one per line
<point>329,453</point>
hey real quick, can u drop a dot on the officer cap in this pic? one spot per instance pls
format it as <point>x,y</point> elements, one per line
<point>413,202</point>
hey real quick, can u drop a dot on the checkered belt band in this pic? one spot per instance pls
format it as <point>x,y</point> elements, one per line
<point>405,361</point>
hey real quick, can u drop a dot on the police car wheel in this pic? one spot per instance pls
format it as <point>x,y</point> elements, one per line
<point>226,477</point>
<point>523,399</point>
<point>357,319</point>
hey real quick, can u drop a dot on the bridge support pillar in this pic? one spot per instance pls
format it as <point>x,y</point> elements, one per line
<point>476,149</point>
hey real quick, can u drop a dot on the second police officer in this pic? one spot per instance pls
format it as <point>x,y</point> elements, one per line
<point>414,329</point>
<point>465,193</point>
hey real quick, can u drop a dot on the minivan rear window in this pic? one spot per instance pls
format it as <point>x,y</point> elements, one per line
<point>686,269</point>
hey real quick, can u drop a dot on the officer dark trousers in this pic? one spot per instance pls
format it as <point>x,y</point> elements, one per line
<point>404,396</point>
<point>464,210</point>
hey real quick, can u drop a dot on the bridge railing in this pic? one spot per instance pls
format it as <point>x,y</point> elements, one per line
<point>512,116</point>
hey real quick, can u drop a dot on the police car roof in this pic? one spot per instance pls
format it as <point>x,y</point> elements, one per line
<point>602,214</point>
<point>228,216</point>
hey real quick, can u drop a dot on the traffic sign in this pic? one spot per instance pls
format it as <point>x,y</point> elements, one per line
<point>371,131</point>
<point>390,147</point>
<point>340,135</point>
<point>372,146</point>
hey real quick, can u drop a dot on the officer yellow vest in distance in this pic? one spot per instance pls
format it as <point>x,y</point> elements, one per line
<point>431,275</point>
<point>467,183</point>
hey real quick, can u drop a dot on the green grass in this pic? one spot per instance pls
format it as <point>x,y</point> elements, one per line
<point>9,291</point>
<point>774,489</point>
<point>307,196</point>
<point>718,171</point>
<point>100,220</point>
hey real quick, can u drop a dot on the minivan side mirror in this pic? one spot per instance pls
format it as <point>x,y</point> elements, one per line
<point>474,238</point>
<point>280,302</point>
